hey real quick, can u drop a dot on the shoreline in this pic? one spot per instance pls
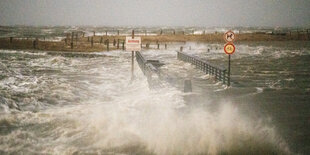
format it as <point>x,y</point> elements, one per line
<point>108,43</point>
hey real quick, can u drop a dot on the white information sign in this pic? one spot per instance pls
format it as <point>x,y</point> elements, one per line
<point>133,44</point>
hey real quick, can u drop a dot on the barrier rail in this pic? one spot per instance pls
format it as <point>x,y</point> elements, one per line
<point>149,70</point>
<point>219,72</point>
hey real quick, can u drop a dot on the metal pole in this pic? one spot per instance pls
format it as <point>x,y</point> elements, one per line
<point>228,82</point>
<point>132,57</point>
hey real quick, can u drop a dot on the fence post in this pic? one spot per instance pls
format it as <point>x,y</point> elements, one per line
<point>72,37</point>
<point>108,45</point>
<point>92,42</point>
<point>76,38</point>
<point>11,40</point>
<point>34,44</point>
<point>157,45</point>
<point>68,36</point>
<point>114,42</point>
<point>297,35</point>
<point>123,46</point>
<point>117,43</point>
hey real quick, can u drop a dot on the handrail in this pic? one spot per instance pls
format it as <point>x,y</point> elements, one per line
<point>211,69</point>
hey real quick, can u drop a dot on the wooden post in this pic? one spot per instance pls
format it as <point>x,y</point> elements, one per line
<point>123,45</point>
<point>157,45</point>
<point>297,35</point>
<point>76,38</point>
<point>114,42</point>
<point>88,39</point>
<point>92,41</point>
<point>117,43</point>
<point>173,31</point>
<point>108,44</point>
<point>181,48</point>
<point>68,37</point>
<point>34,44</point>
<point>37,43</point>
<point>72,36</point>
<point>132,57</point>
<point>94,33</point>
<point>165,46</point>
<point>11,40</point>
<point>71,45</point>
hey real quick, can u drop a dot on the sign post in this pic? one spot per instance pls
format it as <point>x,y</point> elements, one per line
<point>229,49</point>
<point>133,44</point>
<point>132,58</point>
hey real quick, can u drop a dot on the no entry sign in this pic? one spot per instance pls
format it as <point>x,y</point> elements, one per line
<point>133,44</point>
<point>229,48</point>
<point>229,36</point>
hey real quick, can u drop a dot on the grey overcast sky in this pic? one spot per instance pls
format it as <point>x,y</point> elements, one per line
<point>231,13</point>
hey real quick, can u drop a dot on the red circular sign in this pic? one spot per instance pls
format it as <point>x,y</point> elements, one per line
<point>229,48</point>
<point>229,36</point>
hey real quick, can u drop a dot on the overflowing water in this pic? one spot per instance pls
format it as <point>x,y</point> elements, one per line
<point>87,103</point>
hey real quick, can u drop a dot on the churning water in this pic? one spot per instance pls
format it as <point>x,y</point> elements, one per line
<point>53,103</point>
<point>79,104</point>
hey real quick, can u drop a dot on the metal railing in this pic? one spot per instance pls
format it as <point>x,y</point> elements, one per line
<point>149,70</point>
<point>220,73</point>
